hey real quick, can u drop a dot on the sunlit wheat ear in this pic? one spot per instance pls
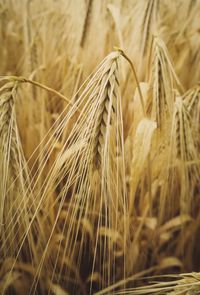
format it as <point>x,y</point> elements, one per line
<point>108,160</point>
<point>163,80</point>
<point>106,113</point>
<point>14,176</point>
<point>192,101</point>
<point>183,164</point>
<point>187,283</point>
<point>90,169</point>
<point>187,155</point>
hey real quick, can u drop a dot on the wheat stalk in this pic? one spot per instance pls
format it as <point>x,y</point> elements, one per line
<point>86,22</point>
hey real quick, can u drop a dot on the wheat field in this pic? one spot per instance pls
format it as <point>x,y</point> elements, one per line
<point>99,147</point>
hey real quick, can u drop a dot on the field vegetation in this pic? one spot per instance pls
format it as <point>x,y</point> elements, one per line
<point>99,147</point>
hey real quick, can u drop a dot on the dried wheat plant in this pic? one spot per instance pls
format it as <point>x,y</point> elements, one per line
<point>99,147</point>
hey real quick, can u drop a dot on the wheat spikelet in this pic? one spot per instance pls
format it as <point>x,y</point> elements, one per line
<point>188,283</point>
<point>15,180</point>
<point>192,101</point>
<point>187,153</point>
<point>182,172</point>
<point>7,93</point>
<point>8,121</point>
<point>182,284</point>
<point>163,81</point>
<point>107,108</point>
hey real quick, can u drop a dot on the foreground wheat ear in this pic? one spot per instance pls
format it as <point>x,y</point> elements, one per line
<point>163,81</point>
<point>95,185</point>
<point>90,171</point>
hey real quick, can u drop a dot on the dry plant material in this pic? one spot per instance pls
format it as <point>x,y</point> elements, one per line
<point>162,83</point>
<point>100,170</point>
<point>14,181</point>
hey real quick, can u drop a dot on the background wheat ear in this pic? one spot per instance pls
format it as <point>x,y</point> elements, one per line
<point>163,81</point>
<point>15,195</point>
<point>183,167</point>
<point>188,155</point>
<point>192,101</point>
